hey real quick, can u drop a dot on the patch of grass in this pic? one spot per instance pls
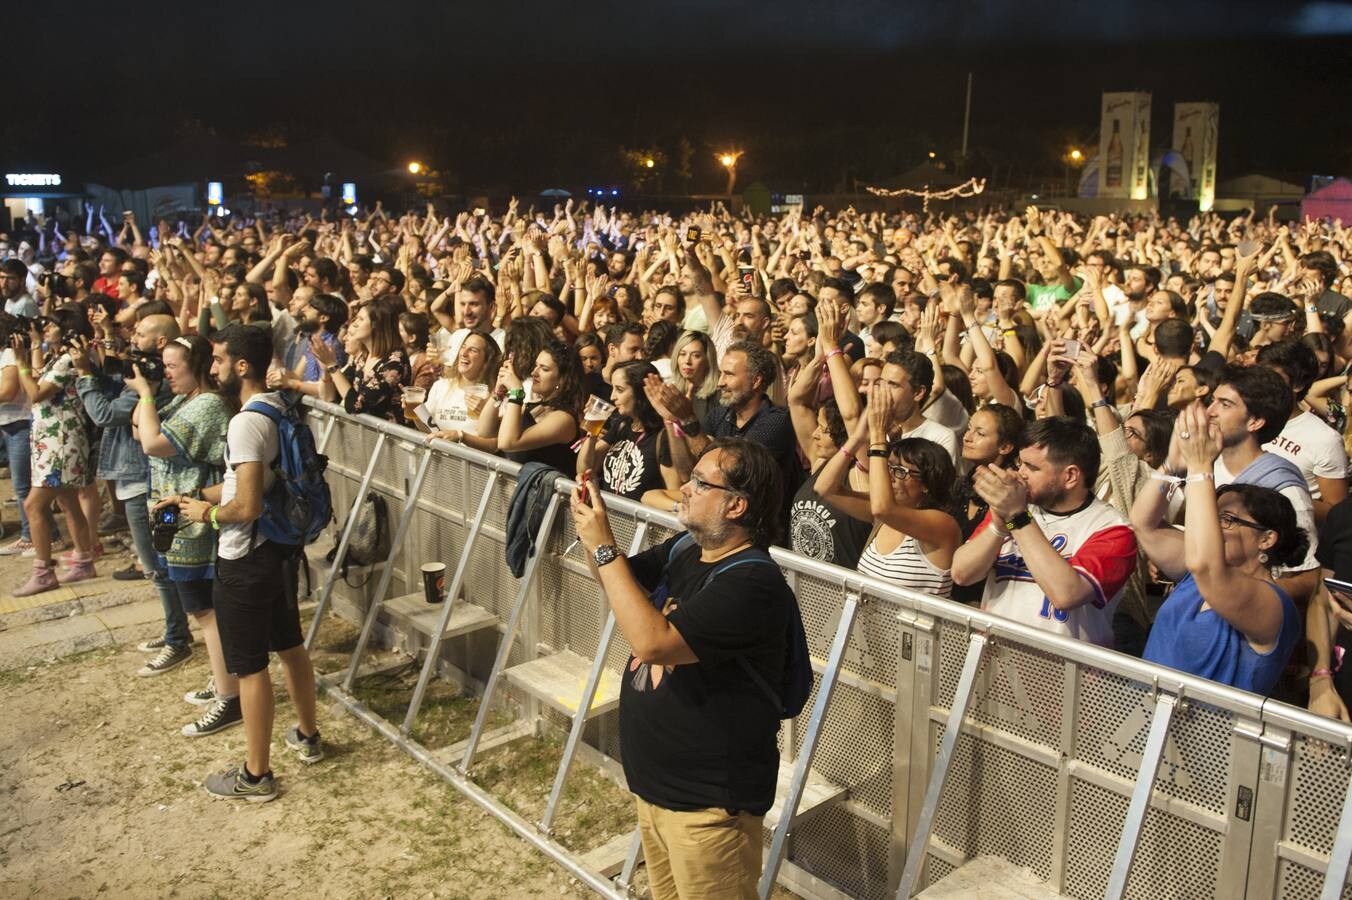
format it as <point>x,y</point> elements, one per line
<point>592,810</point>
<point>446,715</point>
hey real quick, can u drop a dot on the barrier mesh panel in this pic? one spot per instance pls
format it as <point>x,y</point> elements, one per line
<point>1315,799</point>
<point>1175,858</point>
<point>990,798</point>
<point>1297,882</point>
<point>845,850</point>
<point>1114,720</point>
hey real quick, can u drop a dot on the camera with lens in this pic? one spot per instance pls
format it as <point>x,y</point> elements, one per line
<point>58,284</point>
<point>167,521</point>
<point>150,364</point>
<point>11,325</point>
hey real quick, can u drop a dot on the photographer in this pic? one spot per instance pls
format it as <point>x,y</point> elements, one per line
<point>187,453</point>
<point>109,403</point>
<point>60,449</point>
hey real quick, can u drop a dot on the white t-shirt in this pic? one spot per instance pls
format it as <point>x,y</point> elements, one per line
<point>940,434</point>
<point>251,437</point>
<point>18,409</point>
<point>948,411</point>
<point>1098,544</point>
<point>1311,444</point>
<point>447,407</point>
<point>1300,501</point>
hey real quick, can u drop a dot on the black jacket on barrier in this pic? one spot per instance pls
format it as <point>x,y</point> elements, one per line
<point>534,486</point>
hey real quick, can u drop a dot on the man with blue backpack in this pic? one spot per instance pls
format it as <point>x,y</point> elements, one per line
<point>269,505</point>
<point>719,658</point>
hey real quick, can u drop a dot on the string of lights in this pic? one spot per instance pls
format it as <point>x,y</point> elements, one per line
<point>969,188</point>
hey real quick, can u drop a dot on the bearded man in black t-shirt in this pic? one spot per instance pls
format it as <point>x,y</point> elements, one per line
<point>707,617</point>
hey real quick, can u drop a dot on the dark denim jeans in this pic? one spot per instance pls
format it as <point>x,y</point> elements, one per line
<point>176,632</point>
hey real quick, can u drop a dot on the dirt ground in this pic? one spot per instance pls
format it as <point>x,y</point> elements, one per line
<point>100,795</point>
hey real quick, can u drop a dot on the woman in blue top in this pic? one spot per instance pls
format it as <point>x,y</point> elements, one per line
<point>1227,619</point>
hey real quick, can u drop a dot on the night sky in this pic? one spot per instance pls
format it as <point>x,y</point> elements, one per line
<point>820,95</point>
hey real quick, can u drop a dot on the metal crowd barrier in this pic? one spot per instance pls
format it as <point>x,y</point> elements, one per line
<point>935,735</point>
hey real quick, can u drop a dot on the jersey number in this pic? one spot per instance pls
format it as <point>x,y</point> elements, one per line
<point>1047,612</point>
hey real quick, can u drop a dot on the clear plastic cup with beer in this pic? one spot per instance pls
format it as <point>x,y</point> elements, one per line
<point>595,414</point>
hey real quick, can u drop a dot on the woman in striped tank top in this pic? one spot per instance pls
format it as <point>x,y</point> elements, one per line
<point>911,483</point>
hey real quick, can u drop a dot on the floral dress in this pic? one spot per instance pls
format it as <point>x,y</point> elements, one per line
<point>380,393</point>
<point>59,441</point>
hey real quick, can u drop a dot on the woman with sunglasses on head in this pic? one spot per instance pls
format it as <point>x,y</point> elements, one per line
<point>1227,619</point>
<point>910,490</point>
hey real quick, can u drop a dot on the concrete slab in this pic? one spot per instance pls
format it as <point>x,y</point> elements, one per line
<point>40,641</point>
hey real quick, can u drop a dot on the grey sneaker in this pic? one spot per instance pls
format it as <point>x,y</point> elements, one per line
<point>232,785</point>
<point>168,658</point>
<point>310,751</point>
<point>203,696</point>
<point>151,645</point>
<point>220,715</point>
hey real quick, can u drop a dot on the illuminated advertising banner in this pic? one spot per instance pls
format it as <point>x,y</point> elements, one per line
<point>1124,145</point>
<point>1196,126</point>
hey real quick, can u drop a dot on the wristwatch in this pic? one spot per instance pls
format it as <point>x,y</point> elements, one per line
<point>605,554</point>
<point>1018,520</point>
<point>691,428</point>
<point>1106,404</point>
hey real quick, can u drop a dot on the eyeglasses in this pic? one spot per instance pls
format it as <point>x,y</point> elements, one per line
<point>702,486</point>
<point>900,472</point>
<point>1229,521</point>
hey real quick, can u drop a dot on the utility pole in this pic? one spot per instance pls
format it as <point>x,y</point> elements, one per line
<point>967,118</point>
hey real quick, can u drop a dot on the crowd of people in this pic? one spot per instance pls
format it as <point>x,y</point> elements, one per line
<point>1126,429</point>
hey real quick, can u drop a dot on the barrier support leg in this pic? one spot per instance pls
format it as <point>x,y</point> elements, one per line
<point>1140,796</point>
<point>588,694</point>
<point>434,640</point>
<point>962,698</point>
<point>625,880</point>
<point>362,490</point>
<point>803,763</point>
<point>324,436</point>
<point>509,634</point>
<point>383,586</point>
<point>1341,856</point>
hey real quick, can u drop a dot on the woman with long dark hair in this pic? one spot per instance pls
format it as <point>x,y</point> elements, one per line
<point>546,430</point>
<point>631,456</point>
<point>377,373</point>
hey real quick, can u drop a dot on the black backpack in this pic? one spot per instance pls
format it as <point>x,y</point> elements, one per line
<point>796,684</point>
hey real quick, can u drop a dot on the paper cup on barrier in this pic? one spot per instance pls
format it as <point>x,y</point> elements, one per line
<point>434,582</point>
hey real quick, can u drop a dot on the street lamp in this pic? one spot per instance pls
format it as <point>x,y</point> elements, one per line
<point>1075,154</point>
<point>729,162</point>
<point>649,162</point>
<point>414,168</point>
<point>932,154</point>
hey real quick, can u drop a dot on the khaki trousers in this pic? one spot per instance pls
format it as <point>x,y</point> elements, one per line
<point>707,854</point>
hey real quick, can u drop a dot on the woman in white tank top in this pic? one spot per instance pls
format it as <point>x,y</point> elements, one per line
<point>911,484</point>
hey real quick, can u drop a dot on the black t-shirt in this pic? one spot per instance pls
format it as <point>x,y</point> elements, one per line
<point>819,529</point>
<point>772,428</point>
<point>631,466</point>
<point>557,456</point>
<point>703,735</point>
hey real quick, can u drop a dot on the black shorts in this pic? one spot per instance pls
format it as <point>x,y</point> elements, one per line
<point>256,610</point>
